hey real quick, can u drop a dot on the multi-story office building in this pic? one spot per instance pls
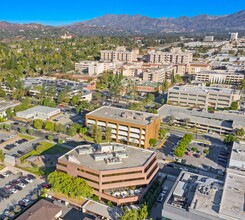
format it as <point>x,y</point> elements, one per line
<point>219,77</point>
<point>233,36</point>
<point>94,68</point>
<point>118,173</point>
<point>119,55</point>
<point>208,39</point>
<point>175,56</point>
<point>192,68</point>
<point>202,97</point>
<point>159,74</point>
<point>127,126</point>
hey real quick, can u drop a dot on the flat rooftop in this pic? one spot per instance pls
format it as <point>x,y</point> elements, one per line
<point>195,192</point>
<point>40,109</point>
<point>221,118</point>
<point>233,201</point>
<point>108,156</point>
<point>237,158</point>
<point>123,115</point>
<point>4,105</point>
<point>201,90</point>
<point>220,72</point>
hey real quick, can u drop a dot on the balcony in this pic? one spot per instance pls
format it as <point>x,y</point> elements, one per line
<point>91,121</point>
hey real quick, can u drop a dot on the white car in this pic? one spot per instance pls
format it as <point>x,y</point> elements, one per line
<point>22,185</point>
<point>7,186</point>
<point>29,180</point>
<point>5,174</point>
<point>68,138</point>
<point>26,200</point>
<point>13,190</point>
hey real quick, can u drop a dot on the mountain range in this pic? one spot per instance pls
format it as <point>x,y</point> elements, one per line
<point>131,25</point>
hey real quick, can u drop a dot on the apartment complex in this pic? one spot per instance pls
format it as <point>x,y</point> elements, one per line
<point>202,97</point>
<point>127,126</point>
<point>192,68</point>
<point>119,55</point>
<point>219,122</point>
<point>175,56</point>
<point>118,173</point>
<point>94,68</point>
<point>220,77</point>
<point>159,74</point>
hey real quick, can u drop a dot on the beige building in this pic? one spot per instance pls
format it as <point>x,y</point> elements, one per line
<point>127,126</point>
<point>175,56</point>
<point>94,68</point>
<point>219,77</point>
<point>202,97</point>
<point>119,55</point>
<point>159,74</point>
<point>192,68</point>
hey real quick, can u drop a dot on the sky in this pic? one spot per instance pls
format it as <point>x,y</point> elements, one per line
<point>58,12</point>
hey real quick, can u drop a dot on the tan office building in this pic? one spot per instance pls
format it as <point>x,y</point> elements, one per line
<point>175,56</point>
<point>202,97</point>
<point>118,173</point>
<point>127,126</point>
<point>119,55</point>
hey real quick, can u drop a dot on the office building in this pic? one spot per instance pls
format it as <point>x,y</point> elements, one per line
<point>193,196</point>
<point>220,77</point>
<point>94,68</point>
<point>159,74</point>
<point>202,97</point>
<point>119,55</point>
<point>192,68</point>
<point>118,173</point>
<point>233,36</point>
<point>127,126</point>
<point>38,112</point>
<point>218,122</point>
<point>208,39</point>
<point>175,56</point>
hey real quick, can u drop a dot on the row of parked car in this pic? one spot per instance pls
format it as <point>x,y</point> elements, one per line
<point>163,194</point>
<point>15,144</point>
<point>7,138</point>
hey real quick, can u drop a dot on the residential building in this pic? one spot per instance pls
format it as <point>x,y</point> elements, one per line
<point>192,68</point>
<point>118,173</point>
<point>175,56</point>
<point>119,55</point>
<point>159,74</point>
<point>94,68</point>
<point>208,39</point>
<point>220,77</point>
<point>41,210</point>
<point>202,97</point>
<point>38,112</point>
<point>127,126</point>
<point>218,122</point>
<point>233,36</point>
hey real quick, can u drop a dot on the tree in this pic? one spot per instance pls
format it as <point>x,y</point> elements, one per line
<point>9,113</point>
<point>30,131</point>
<point>133,214</point>
<point>162,133</point>
<point>74,187</point>
<point>59,128</point>
<point>108,134</point>
<point>7,127</point>
<point>71,131</point>
<point>229,139</point>
<point>240,132</point>
<point>194,149</point>
<point>234,106</point>
<point>93,130</point>
<point>206,151</point>
<point>22,129</point>
<point>50,138</point>
<point>98,135</point>
<point>75,100</point>
<point>60,141</point>
<point>83,130</point>
<point>2,156</point>
<point>49,126</point>
<point>153,142</point>
<point>143,212</point>
<point>38,124</point>
<point>165,85</point>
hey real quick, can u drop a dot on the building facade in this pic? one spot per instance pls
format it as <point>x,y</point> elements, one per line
<point>119,55</point>
<point>202,97</point>
<point>192,68</point>
<point>127,126</point>
<point>118,173</point>
<point>175,56</point>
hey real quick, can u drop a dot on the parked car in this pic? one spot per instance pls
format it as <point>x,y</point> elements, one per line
<point>160,197</point>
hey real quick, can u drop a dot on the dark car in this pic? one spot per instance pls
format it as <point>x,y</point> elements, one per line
<point>20,152</point>
<point>21,203</point>
<point>30,176</point>
<point>1,176</point>
<point>24,181</point>
<point>18,187</point>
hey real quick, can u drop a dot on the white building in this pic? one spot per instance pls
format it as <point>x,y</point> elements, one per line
<point>233,36</point>
<point>208,39</point>
<point>94,68</point>
<point>38,112</point>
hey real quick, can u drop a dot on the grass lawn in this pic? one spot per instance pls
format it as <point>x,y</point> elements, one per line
<point>88,138</point>
<point>45,148</point>
<point>27,137</point>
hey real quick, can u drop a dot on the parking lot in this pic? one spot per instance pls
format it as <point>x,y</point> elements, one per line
<point>169,145</point>
<point>17,191</point>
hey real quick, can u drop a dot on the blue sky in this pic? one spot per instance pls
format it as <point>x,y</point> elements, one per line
<point>58,12</point>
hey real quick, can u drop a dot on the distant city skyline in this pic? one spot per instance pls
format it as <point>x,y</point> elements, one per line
<point>65,12</point>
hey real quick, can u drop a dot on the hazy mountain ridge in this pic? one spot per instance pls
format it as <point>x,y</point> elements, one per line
<point>129,25</point>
